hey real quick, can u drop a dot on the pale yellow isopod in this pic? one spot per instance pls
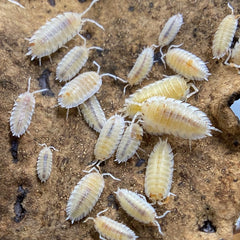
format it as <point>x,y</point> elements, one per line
<point>109,138</point>
<point>170,30</point>
<point>170,87</point>
<point>93,113</point>
<point>186,64</point>
<point>159,172</point>
<point>85,195</point>
<point>224,35</point>
<point>166,115</point>
<point>110,229</point>
<point>73,61</point>
<point>137,206</point>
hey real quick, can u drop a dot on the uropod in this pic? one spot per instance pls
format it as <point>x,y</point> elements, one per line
<point>224,35</point>
<point>170,87</point>
<point>186,64</point>
<point>110,229</point>
<point>166,115</point>
<point>109,138</point>
<point>44,162</point>
<point>85,195</point>
<point>56,32</point>
<point>81,88</point>
<point>159,172</point>
<point>22,111</point>
<point>73,61</point>
<point>137,206</point>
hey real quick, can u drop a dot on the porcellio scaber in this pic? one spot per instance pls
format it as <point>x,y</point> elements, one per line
<point>56,32</point>
<point>137,207</point>
<point>22,111</point>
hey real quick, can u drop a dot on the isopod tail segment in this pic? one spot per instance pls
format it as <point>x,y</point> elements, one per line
<point>160,203</point>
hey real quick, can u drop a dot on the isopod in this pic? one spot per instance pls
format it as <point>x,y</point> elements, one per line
<point>166,115</point>
<point>137,207</point>
<point>159,172</point>
<point>170,30</point>
<point>224,35</point>
<point>81,88</point>
<point>93,113</point>
<point>186,64</point>
<point>170,87</point>
<point>130,142</point>
<point>85,195</point>
<point>142,66</point>
<point>110,229</point>
<point>73,61</point>
<point>109,138</point>
<point>22,111</point>
<point>56,32</point>
<point>44,163</point>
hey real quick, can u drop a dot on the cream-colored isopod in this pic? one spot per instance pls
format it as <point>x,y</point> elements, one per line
<point>130,142</point>
<point>166,115</point>
<point>186,64</point>
<point>109,138</point>
<point>81,88</point>
<point>224,35</point>
<point>44,163</point>
<point>137,206</point>
<point>170,30</point>
<point>142,66</point>
<point>170,87</point>
<point>73,61</point>
<point>85,195</point>
<point>93,113</point>
<point>110,229</point>
<point>159,172</point>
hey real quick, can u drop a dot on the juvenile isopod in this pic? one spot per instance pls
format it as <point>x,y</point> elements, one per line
<point>224,35</point>
<point>109,138</point>
<point>44,163</point>
<point>73,61</point>
<point>22,111</point>
<point>81,88</point>
<point>130,142</point>
<point>142,66</point>
<point>110,229</point>
<point>170,30</point>
<point>159,172</point>
<point>137,207</point>
<point>170,87</point>
<point>166,115</point>
<point>93,113</point>
<point>186,64</point>
<point>85,195</point>
<point>56,32</point>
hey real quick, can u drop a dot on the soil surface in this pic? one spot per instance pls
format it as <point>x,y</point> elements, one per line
<point>206,178</point>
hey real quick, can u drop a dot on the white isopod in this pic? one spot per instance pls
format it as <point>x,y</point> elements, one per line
<point>81,88</point>
<point>73,61</point>
<point>130,142</point>
<point>142,66</point>
<point>109,138</point>
<point>170,87</point>
<point>85,195</point>
<point>137,206</point>
<point>93,113</point>
<point>110,229</point>
<point>166,115</point>
<point>56,32</point>
<point>224,35</point>
<point>44,163</point>
<point>186,64</point>
<point>159,172</point>
<point>22,111</point>
<point>170,30</point>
